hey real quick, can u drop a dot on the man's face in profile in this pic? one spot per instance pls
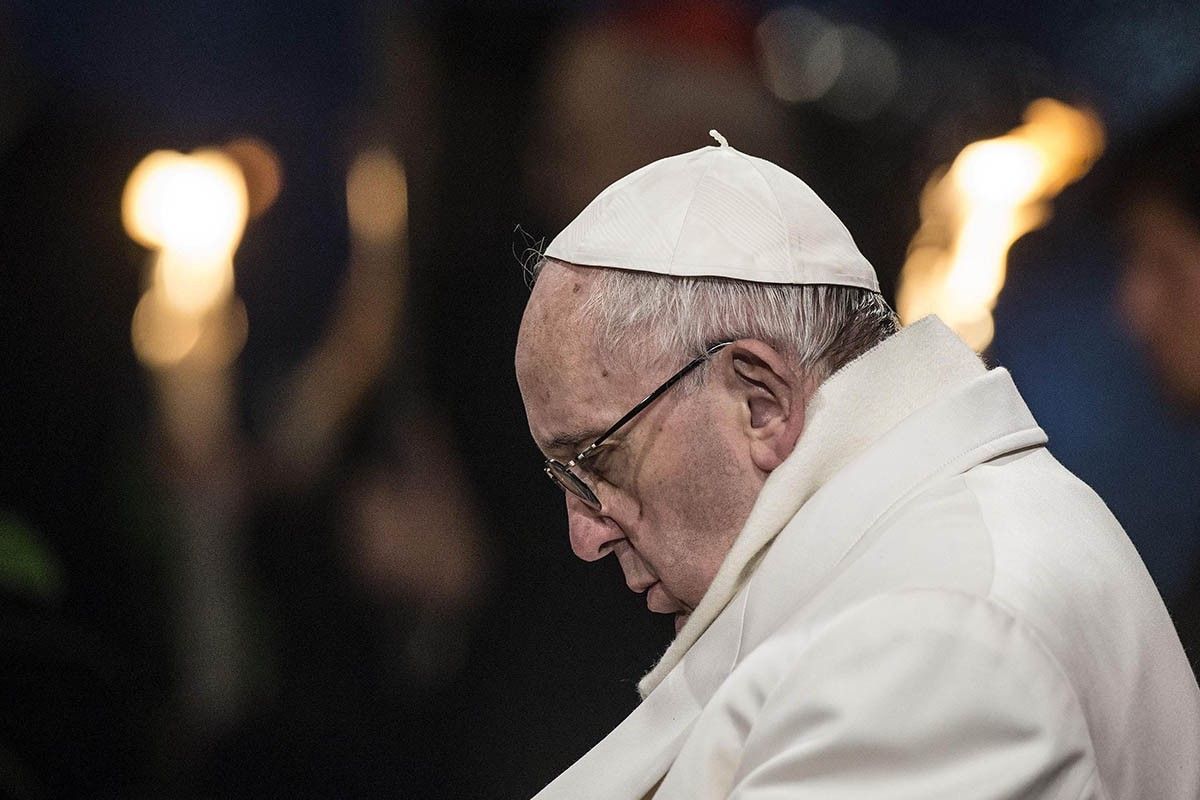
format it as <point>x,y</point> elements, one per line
<point>674,488</point>
<point>1160,292</point>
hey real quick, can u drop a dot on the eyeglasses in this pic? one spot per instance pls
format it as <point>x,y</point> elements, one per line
<point>564,474</point>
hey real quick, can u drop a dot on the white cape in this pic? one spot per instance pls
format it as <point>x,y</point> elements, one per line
<point>923,604</point>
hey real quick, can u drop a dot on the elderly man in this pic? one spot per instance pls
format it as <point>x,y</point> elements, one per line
<point>883,584</point>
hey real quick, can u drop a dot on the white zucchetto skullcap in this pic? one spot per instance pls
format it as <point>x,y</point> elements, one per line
<point>715,212</point>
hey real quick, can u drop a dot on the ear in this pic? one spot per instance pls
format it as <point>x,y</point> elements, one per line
<point>772,398</point>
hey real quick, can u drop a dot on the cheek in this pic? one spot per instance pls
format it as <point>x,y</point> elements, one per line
<point>698,506</point>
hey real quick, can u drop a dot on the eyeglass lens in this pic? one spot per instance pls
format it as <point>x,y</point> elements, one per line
<point>572,483</point>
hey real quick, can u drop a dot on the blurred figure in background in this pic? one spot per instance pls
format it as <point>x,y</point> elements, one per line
<point>1154,197</point>
<point>1158,174</point>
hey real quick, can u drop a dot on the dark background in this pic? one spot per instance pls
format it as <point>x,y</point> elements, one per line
<point>545,659</point>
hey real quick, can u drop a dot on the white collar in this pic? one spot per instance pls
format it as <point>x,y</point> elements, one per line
<point>845,415</point>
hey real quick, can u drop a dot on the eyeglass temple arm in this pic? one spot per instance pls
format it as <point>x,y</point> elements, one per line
<point>650,398</point>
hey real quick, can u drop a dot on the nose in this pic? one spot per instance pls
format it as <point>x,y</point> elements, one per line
<point>592,534</point>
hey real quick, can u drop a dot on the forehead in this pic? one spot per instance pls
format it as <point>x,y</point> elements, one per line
<point>567,384</point>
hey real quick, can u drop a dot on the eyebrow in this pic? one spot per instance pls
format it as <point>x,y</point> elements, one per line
<point>572,440</point>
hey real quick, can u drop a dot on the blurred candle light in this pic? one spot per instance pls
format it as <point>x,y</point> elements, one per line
<point>377,197</point>
<point>191,209</point>
<point>192,285</point>
<point>805,58</point>
<point>261,168</point>
<point>162,336</point>
<point>363,326</point>
<point>972,212</point>
<point>800,53</point>
<point>194,205</point>
<point>869,78</point>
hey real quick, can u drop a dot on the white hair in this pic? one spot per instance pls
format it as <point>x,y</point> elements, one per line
<point>650,317</point>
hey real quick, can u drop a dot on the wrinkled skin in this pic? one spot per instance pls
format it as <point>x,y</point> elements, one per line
<point>678,483</point>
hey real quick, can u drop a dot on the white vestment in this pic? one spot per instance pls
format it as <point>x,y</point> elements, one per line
<point>922,604</point>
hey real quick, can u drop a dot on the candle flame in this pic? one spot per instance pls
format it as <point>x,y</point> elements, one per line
<point>972,212</point>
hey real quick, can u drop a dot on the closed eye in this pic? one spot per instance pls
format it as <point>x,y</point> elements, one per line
<point>596,459</point>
